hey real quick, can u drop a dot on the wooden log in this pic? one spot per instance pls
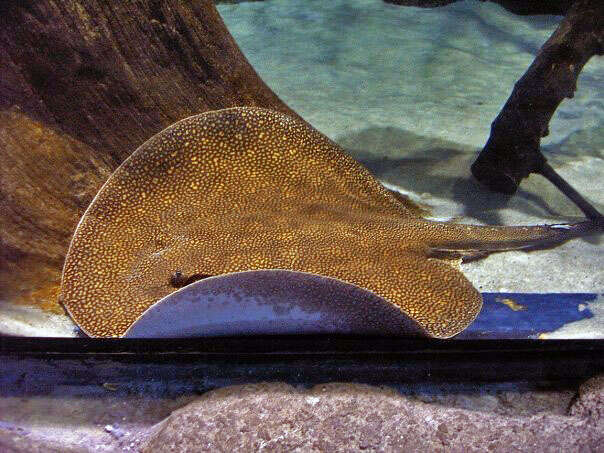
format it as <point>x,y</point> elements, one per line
<point>82,84</point>
<point>112,73</point>
<point>46,182</point>
<point>513,149</point>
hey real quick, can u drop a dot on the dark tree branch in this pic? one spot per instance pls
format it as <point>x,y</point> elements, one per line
<point>513,149</point>
<point>548,172</point>
<point>113,73</point>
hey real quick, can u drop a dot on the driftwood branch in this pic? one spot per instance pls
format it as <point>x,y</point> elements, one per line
<point>82,84</point>
<point>513,149</point>
<point>112,73</point>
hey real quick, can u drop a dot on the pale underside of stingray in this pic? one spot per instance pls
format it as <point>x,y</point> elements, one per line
<point>248,189</point>
<point>270,302</point>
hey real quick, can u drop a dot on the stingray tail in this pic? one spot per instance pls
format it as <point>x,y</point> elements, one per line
<point>464,240</point>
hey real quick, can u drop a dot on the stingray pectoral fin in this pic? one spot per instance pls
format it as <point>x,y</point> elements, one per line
<point>436,295</point>
<point>271,302</point>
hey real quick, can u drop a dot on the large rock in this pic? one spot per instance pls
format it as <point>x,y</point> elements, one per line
<point>590,402</point>
<point>351,417</point>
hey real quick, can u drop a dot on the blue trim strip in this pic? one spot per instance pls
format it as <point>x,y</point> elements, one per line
<point>516,315</point>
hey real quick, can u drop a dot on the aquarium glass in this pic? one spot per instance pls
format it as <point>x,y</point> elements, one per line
<point>410,93</point>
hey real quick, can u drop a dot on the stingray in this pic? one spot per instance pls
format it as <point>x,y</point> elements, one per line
<point>249,189</point>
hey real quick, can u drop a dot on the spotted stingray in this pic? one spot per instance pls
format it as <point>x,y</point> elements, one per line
<point>248,189</point>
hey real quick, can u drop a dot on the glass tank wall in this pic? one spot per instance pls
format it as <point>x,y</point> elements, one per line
<point>411,93</point>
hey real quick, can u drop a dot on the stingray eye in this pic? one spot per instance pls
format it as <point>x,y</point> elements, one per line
<point>177,279</point>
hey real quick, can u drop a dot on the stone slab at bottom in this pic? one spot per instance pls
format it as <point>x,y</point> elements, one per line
<point>354,417</point>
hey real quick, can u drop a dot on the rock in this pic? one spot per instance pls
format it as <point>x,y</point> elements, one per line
<point>590,402</point>
<point>345,417</point>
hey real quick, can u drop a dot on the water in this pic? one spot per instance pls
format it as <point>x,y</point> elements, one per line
<point>411,93</point>
<point>346,66</point>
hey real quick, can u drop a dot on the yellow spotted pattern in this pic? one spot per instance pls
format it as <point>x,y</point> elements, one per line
<point>247,188</point>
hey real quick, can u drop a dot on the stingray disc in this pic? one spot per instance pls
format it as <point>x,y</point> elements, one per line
<point>270,302</point>
<point>247,189</point>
